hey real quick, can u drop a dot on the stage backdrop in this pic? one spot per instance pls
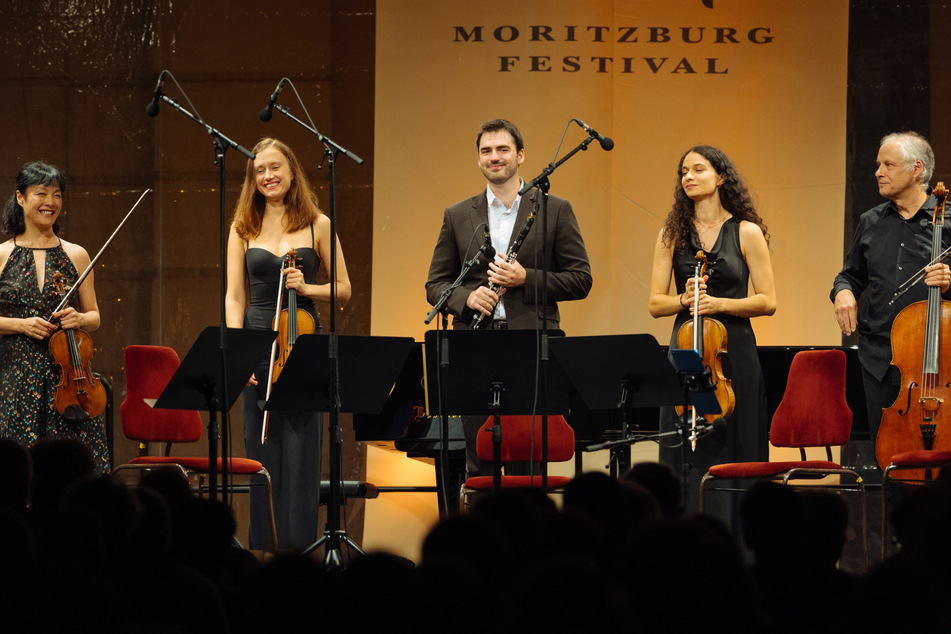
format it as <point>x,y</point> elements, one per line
<point>764,81</point>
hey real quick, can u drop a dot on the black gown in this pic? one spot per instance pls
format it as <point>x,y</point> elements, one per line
<point>293,449</point>
<point>746,435</point>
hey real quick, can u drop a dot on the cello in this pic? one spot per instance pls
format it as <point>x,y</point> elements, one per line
<point>288,323</point>
<point>79,395</point>
<point>709,338</point>
<point>920,332</point>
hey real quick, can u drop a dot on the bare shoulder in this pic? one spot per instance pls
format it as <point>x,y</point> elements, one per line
<point>6,248</point>
<point>751,231</point>
<point>76,253</point>
<point>660,245</point>
<point>321,225</point>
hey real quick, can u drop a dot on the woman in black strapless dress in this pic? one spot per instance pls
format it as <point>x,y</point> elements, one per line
<point>277,211</point>
<point>713,212</point>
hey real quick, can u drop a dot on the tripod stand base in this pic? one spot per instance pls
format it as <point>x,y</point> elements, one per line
<point>332,556</point>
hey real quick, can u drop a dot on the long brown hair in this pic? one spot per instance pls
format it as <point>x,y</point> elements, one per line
<point>300,202</point>
<point>734,197</point>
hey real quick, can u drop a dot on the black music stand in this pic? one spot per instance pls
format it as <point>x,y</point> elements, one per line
<point>368,370</point>
<point>619,372</point>
<point>197,383</point>
<point>484,365</point>
<point>405,422</point>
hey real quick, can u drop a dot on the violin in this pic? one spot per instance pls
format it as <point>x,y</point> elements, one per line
<point>709,338</point>
<point>289,323</point>
<point>921,350</point>
<point>79,395</point>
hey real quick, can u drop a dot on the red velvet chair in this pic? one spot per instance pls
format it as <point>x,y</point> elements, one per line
<point>812,413</point>
<point>520,445</point>
<point>148,370</point>
<point>922,461</point>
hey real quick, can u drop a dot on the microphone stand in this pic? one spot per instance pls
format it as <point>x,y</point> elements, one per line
<point>543,185</point>
<point>221,145</point>
<point>442,353</point>
<point>631,439</point>
<point>333,534</point>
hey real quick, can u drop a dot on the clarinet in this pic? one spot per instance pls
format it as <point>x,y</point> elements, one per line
<point>509,257</point>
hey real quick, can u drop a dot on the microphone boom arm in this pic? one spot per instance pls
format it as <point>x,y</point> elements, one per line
<point>551,167</point>
<point>322,138</point>
<point>210,129</point>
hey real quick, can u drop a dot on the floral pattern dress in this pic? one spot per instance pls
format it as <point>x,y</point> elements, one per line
<point>28,376</point>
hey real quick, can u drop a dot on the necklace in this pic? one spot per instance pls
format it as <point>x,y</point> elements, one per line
<point>713,226</point>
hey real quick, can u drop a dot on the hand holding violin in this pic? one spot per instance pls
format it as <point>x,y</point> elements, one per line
<point>37,328</point>
<point>70,318</point>
<point>687,299</point>
<point>294,280</point>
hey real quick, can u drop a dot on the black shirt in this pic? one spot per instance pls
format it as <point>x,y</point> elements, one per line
<point>886,251</point>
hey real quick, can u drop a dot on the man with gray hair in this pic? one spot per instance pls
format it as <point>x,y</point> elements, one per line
<point>892,242</point>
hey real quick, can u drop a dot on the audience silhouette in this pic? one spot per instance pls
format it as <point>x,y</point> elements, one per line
<point>83,553</point>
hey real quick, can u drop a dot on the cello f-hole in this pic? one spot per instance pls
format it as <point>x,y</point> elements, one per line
<point>903,412</point>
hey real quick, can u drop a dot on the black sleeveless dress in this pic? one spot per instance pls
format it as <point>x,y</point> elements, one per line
<point>746,435</point>
<point>293,448</point>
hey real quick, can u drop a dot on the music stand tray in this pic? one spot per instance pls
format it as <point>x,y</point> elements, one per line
<point>620,373</point>
<point>198,379</point>
<point>477,360</point>
<point>368,370</point>
<point>696,379</point>
<point>599,366</point>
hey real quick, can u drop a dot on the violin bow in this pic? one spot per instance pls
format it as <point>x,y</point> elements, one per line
<point>941,193</point>
<point>270,365</point>
<point>92,263</point>
<point>911,281</point>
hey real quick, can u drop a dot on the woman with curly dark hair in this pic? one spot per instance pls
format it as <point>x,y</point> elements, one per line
<point>713,212</point>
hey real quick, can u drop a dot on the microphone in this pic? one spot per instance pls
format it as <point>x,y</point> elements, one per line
<point>607,143</point>
<point>265,114</point>
<point>487,249</point>
<point>152,108</point>
<point>700,431</point>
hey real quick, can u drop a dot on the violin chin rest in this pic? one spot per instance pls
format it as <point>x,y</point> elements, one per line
<point>75,414</point>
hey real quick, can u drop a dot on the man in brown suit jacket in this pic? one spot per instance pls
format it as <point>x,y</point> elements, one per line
<point>502,213</point>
